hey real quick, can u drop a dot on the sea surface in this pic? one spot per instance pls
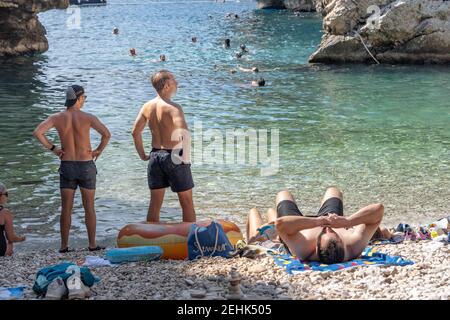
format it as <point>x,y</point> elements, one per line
<point>381,133</point>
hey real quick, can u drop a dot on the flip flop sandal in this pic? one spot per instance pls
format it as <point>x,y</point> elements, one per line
<point>66,250</point>
<point>97,248</point>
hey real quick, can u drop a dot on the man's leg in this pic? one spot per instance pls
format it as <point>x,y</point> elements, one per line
<point>272,215</point>
<point>156,201</point>
<point>254,221</point>
<point>187,205</point>
<point>286,205</point>
<point>88,196</point>
<point>67,196</point>
<point>332,192</point>
<point>332,202</point>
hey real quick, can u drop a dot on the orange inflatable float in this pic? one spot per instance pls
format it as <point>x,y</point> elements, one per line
<point>171,237</point>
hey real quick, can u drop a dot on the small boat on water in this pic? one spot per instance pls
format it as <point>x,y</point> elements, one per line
<point>87,2</point>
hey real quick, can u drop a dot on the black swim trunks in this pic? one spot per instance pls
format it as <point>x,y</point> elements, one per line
<point>77,173</point>
<point>164,172</point>
<point>331,205</point>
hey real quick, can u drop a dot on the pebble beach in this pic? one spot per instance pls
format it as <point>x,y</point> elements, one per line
<point>428,278</point>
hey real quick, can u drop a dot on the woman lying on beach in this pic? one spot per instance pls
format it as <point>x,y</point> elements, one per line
<point>7,235</point>
<point>328,237</point>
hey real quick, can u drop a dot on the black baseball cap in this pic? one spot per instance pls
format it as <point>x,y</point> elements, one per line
<point>72,94</point>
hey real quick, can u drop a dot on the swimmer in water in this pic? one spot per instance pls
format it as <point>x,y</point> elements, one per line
<point>116,30</point>
<point>243,48</point>
<point>259,83</point>
<point>254,69</point>
<point>226,43</point>
<point>238,55</point>
<point>162,58</point>
<point>133,52</point>
<point>194,39</point>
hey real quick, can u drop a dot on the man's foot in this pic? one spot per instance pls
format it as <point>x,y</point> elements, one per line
<point>65,250</point>
<point>97,248</point>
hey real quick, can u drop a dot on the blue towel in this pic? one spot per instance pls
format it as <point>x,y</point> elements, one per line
<point>369,257</point>
<point>48,274</point>
<point>11,293</point>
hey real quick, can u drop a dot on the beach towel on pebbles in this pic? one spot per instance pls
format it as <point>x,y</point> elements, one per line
<point>369,257</point>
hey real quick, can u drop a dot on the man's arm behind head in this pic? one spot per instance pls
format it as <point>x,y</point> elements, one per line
<point>366,222</point>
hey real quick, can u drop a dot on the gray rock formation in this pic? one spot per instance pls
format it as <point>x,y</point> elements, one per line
<point>394,31</point>
<point>21,32</point>
<point>298,5</point>
<point>265,4</point>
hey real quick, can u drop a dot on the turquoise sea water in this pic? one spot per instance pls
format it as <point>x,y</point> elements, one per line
<point>380,133</point>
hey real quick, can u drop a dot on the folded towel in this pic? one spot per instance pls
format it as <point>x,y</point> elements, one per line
<point>369,257</point>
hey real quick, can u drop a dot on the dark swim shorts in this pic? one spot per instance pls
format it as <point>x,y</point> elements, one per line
<point>77,173</point>
<point>331,205</point>
<point>163,172</point>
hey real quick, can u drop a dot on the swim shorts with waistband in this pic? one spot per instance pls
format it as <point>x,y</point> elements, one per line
<point>77,173</point>
<point>163,171</point>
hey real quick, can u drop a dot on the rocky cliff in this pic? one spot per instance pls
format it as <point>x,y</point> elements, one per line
<point>20,30</point>
<point>393,31</point>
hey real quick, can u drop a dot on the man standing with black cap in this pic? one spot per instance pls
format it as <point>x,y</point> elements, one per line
<point>77,160</point>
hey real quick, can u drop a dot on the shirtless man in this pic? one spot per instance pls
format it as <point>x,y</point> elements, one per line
<point>314,238</point>
<point>169,160</point>
<point>326,238</point>
<point>77,160</point>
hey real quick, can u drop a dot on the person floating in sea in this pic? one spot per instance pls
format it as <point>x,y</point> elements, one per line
<point>254,69</point>
<point>243,48</point>
<point>259,83</point>
<point>328,237</point>
<point>226,43</point>
<point>232,15</point>
<point>169,161</point>
<point>162,58</point>
<point>77,167</point>
<point>133,52</point>
<point>7,234</point>
<point>116,31</point>
<point>194,39</point>
<point>238,55</point>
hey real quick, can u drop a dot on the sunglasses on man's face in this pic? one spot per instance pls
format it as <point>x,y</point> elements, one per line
<point>4,194</point>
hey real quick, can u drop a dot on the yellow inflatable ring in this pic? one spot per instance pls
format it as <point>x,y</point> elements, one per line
<point>171,237</point>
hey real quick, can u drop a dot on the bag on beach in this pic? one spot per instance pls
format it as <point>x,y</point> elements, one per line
<point>48,274</point>
<point>209,241</point>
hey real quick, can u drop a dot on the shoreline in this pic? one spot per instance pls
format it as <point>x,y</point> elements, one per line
<point>262,279</point>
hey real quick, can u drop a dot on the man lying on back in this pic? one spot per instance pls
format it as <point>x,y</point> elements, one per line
<point>330,237</point>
